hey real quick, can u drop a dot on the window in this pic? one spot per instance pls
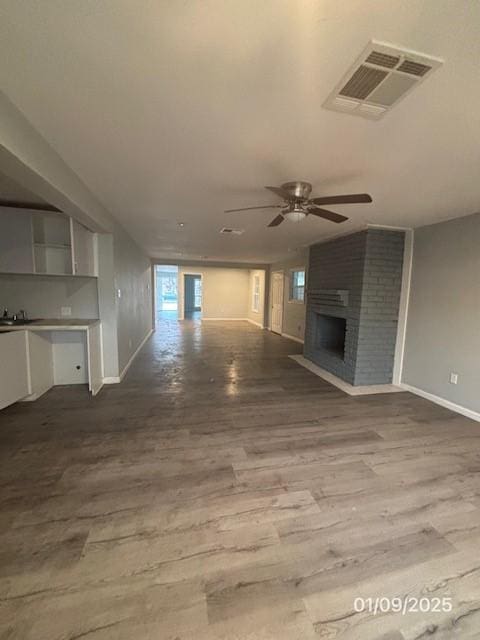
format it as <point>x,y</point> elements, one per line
<point>256,294</point>
<point>297,285</point>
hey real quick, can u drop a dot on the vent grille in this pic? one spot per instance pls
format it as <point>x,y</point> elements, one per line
<point>234,232</point>
<point>363,82</point>
<point>414,68</point>
<point>380,77</point>
<point>383,60</point>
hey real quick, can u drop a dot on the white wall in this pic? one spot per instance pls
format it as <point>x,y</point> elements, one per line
<point>443,325</point>
<point>225,291</point>
<point>293,312</point>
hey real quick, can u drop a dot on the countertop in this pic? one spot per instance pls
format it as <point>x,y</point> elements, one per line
<point>53,324</point>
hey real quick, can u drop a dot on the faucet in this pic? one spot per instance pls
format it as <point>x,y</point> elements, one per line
<point>5,312</point>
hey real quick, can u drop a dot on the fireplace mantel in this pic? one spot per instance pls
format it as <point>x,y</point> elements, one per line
<point>328,297</point>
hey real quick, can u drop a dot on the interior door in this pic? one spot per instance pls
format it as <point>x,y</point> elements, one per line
<point>189,293</point>
<point>277,302</point>
<point>95,366</point>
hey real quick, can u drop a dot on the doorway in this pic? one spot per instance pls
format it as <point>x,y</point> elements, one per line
<point>166,292</point>
<point>192,308</point>
<point>276,323</point>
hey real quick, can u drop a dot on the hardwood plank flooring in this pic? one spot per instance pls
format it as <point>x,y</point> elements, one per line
<point>223,492</point>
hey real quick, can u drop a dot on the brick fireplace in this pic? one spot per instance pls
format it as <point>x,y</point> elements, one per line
<point>353,297</point>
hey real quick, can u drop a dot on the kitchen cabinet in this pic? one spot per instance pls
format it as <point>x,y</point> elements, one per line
<point>49,352</point>
<point>14,372</point>
<point>40,364</point>
<point>52,244</point>
<point>45,243</point>
<point>16,250</point>
<point>83,250</point>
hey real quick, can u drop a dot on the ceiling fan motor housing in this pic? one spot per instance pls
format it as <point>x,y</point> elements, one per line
<point>299,190</point>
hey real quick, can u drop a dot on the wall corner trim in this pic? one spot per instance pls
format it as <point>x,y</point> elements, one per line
<point>225,319</point>
<point>457,408</point>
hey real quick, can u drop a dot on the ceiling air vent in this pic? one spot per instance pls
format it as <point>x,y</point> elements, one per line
<point>380,77</point>
<point>233,232</point>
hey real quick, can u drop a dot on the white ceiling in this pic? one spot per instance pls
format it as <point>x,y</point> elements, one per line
<point>175,110</point>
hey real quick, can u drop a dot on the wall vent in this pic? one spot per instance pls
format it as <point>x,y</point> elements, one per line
<point>380,77</point>
<point>234,232</point>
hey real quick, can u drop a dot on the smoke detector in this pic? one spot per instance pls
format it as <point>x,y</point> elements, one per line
<point>380,77</point>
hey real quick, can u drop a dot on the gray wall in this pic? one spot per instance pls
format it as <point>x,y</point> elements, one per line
<point>107,305</point>
<point>293,312</point>
<point>443,327</point>
<point>132,276</point>
<point>44,296</point>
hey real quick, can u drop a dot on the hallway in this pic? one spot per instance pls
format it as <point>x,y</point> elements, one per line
<point>223,492</point>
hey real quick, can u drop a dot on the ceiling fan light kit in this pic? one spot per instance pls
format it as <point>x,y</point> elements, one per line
<point>298,204</point>
<point>297,214</point>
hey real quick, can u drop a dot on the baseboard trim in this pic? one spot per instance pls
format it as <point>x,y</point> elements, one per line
<point>468,413</point>
<point>257,324</point>
<point>117,379</point>
<point>360,390</point>
<point>226,319</point>
<point>287,335</point>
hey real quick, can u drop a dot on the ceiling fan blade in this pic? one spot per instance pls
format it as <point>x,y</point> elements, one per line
<point>265,206</point>
<point>351,198</point>
<point>328,215</point>
<point>276,221</point>
<point>280,192</point>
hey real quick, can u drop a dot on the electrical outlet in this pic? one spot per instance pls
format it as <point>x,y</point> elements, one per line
<point>66,311</point>
<point>453,378</point>
<point>119,293</point>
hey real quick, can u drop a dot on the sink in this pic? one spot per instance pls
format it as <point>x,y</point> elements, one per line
<point>10,322</point>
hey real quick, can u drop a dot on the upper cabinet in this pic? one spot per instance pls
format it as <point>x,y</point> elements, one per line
<point>52,244</point>
<point>45,243</point>
<point>16,250</point>
<point>83,250</point>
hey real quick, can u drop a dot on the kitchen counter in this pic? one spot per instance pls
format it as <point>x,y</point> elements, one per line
<point>49,352</point>
<point>53,324</point>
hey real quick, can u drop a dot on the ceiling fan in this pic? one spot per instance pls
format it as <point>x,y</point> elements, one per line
<point>298,204</point>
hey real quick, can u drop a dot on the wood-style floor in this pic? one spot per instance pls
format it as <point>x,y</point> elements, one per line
<point>223,492</point>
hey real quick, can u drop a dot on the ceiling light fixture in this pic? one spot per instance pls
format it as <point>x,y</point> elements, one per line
<point>181,224</point>
<point>297,214</point>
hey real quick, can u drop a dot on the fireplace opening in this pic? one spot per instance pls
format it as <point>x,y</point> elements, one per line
<point>330,334</point>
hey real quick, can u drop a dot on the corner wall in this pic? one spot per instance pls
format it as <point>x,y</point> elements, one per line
<point>443,325</point>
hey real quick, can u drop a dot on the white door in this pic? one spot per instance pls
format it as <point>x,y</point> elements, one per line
<point>95,366</point>
<point>82,250</point>
<point>277,301</point>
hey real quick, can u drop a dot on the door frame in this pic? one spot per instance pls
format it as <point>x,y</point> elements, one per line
<point>181,306</point>
<point>272,278</point>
